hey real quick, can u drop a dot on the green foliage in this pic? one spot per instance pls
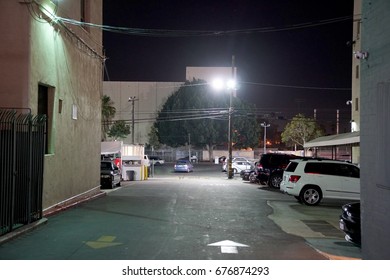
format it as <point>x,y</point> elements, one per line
<point>153,138</point>
<point>119,130</point>
<point>108,113</point>
<point>198,110</point>
<point>300,130</point>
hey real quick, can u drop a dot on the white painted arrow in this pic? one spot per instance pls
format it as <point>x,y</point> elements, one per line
<point>227,246</point>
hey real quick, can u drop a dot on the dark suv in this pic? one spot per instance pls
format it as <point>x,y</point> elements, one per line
<point>269,170</point>
<point>110,174</point>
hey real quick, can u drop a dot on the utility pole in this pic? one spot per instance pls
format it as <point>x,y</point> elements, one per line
<point>230,148</point>
<point>189,147</point>
<point>265,125</point>
<point>132,99</point>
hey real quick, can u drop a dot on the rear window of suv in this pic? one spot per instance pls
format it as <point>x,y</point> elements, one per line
<point>292,166</point>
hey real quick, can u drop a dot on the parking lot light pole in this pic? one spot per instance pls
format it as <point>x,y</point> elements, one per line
<point>265,125</point>
<point>230,148</point>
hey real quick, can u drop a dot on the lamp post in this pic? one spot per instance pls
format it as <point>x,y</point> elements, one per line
<point>265,125</point>
<point>231,86</point>
<point>132,99</point>
<point>230,148</point>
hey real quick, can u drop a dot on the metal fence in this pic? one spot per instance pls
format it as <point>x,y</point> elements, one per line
<point>22,150</point>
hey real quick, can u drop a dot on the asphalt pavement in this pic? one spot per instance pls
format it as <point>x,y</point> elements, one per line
<point>201,215</point>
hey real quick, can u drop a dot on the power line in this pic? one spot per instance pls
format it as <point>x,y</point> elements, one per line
<point>199,33</point>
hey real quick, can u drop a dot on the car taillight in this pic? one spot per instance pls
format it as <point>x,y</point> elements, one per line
<point>294,178</point>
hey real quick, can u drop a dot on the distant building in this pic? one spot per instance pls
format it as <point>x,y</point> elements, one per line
<point>346,146</point>
<point>54,68</point>
<point>150,97</point>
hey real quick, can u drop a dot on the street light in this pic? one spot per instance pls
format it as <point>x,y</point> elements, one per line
<point>230,85</point>
<point>265,125</point>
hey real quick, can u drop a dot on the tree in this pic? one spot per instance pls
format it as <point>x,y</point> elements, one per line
<point>119,130</point>
<point>153,138</point>
<point>196,110</point>
<point>108,113</point>
<point>300,130</point>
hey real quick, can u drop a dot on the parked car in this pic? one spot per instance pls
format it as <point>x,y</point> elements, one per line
<point>238,166</point>
<point>183,166</point>
<point>221,159</point>
<point>156,160</point>
<point>192,159</point>
<point>110,175</point>
<point>270,167</point>
<point>311,180</point>
<point>236,159</point>
<point>245,174</point>
<point>350,222</point>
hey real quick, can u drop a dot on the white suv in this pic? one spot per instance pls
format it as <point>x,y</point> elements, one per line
<point>311,180</point>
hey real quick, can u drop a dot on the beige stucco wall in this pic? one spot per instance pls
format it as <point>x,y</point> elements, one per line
<point>67,61</point>
<point>150,97</point>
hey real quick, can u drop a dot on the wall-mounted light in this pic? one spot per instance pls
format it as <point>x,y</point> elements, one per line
<point>360,55</point>
<point>48,8</point>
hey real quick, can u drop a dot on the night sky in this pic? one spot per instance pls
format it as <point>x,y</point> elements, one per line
<point>286,70</point>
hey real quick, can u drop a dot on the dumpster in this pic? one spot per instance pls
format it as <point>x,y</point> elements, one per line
<point>130,175</point>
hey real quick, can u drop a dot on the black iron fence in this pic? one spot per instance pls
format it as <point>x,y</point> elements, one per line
<point>22,150</point>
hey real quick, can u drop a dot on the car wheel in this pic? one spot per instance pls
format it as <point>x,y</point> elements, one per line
<point>275,180</point>
<point>235,171</point>
<point>118,184</point>
<point>252,178</point>
<point>311,195</point>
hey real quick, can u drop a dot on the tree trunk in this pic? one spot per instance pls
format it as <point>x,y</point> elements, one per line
<point>210,149</point>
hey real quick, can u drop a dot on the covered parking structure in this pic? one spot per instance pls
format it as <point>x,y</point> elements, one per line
<point>344,146</point>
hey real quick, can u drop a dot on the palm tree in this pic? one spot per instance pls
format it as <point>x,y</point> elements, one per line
<point>108,113</point>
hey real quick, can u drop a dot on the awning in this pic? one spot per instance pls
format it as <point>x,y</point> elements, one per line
<point>334,140</point>
<point>108,148</point>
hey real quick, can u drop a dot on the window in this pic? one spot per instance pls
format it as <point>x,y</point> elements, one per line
<point>84,11</point>
<point>348,171</point>
<point>291,166</point>
<point>357,73</point>
<point>321,168</point>
<point>356,104</point>
<point>45,107</point>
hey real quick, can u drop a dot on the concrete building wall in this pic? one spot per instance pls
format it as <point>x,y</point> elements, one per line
<point>65,59</point>
<point>355,100</point>
<point>209,74</point>
<point>375,129</point>
<point>149,96</point>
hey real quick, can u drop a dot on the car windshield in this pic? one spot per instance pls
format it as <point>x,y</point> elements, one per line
<point>105,165</point>
<point>181,162</point>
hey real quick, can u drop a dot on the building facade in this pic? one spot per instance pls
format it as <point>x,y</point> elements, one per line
<point>147,99</point>
<point>52,65</point>
<point>375,129</point>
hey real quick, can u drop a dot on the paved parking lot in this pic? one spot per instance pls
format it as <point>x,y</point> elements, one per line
<point>200,215</point>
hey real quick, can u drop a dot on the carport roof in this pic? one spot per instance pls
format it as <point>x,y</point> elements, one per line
<point>334,140</point>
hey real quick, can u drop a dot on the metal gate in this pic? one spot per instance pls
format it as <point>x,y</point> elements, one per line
<point>22,150</point>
